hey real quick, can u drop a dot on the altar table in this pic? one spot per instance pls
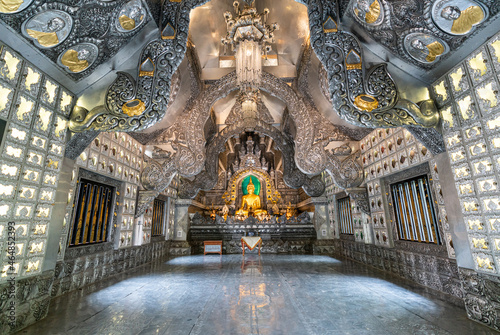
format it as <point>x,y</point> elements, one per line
<point>251,242</point>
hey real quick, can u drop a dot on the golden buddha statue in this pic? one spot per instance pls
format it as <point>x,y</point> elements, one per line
<point>250,203</point>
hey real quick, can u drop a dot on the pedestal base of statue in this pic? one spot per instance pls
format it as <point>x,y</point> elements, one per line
<point>279,235</point>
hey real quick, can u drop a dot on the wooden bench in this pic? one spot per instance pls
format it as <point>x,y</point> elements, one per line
<point>214,247</point>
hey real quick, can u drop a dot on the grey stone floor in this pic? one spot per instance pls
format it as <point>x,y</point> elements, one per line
<point>270,294</point>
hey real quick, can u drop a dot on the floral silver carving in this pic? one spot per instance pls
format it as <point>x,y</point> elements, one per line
<point>92,21</point>
<point>481,297</point>
<point>360,197</point>
<point>368,12</point>
<point>152,88</point>
<point>347,84</point>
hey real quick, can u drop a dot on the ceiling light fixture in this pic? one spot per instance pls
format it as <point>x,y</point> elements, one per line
<point>249,36</point>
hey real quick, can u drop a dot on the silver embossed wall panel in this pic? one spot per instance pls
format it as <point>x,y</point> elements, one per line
<point>470,107</point>
<point>116,156</point>
<point>36,109</point>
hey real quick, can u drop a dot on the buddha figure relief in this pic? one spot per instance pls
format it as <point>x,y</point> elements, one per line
<point>250,203</point>
<point>425,48</point>
<point>368,11</point>
<point>48,29</point>
<point>78,57</point>
<point>131,16</point>
<point>432,50</point>
<point>458,17</point>
<point>75,61</point>
<point>463,21</point>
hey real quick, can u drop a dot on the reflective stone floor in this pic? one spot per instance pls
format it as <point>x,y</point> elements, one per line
<point>270,294</point>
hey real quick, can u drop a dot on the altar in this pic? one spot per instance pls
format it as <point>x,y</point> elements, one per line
<point>251,199</point>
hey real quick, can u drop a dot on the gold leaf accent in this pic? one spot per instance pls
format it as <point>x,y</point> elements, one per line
<point>478,63</point>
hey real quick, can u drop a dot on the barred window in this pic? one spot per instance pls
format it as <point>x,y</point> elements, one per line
<point>344,209</point>
<point>3,124</point>
<point>93,213</point>
<point>158,217</point>
<point>415,216</point>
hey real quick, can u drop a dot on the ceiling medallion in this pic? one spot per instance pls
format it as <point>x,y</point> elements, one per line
<point>131,16</point>
<point>425,48</point>
<point>13,6</point>
<point>368,12</point>
<point>48,29</point>
<point>458,17</point>
<point>78,58</point>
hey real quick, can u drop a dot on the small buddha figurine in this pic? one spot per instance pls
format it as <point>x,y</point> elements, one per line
<point>225,211</point>
<point>289,211</point>
<point>250,202</point>
<point>371,11</point>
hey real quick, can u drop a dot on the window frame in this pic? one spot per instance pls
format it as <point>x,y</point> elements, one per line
<point>162,215</point>
<point>107,228</point>
<point>342,225</point>
<point>419,225</point>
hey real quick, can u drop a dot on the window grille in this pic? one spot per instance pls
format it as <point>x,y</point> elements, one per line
<point>344,209</point>
<point>93,213</point>
<point>415,216</point>
<point>158,217</point>
<point>3,124</point>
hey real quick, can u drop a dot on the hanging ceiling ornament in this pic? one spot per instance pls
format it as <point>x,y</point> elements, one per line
<point>248,36</point>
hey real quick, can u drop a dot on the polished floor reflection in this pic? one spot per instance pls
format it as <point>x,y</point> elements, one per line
<point>270,294</point>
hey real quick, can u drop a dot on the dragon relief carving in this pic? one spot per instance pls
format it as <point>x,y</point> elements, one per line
<point>368,99</point>
<point>134,105</point>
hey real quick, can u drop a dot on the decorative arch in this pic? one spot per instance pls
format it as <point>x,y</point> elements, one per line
<point>292,176</point>
<point>364,98</point>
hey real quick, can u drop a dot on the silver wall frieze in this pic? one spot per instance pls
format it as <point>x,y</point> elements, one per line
<point>97,24</point>
<point>451,23</point>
